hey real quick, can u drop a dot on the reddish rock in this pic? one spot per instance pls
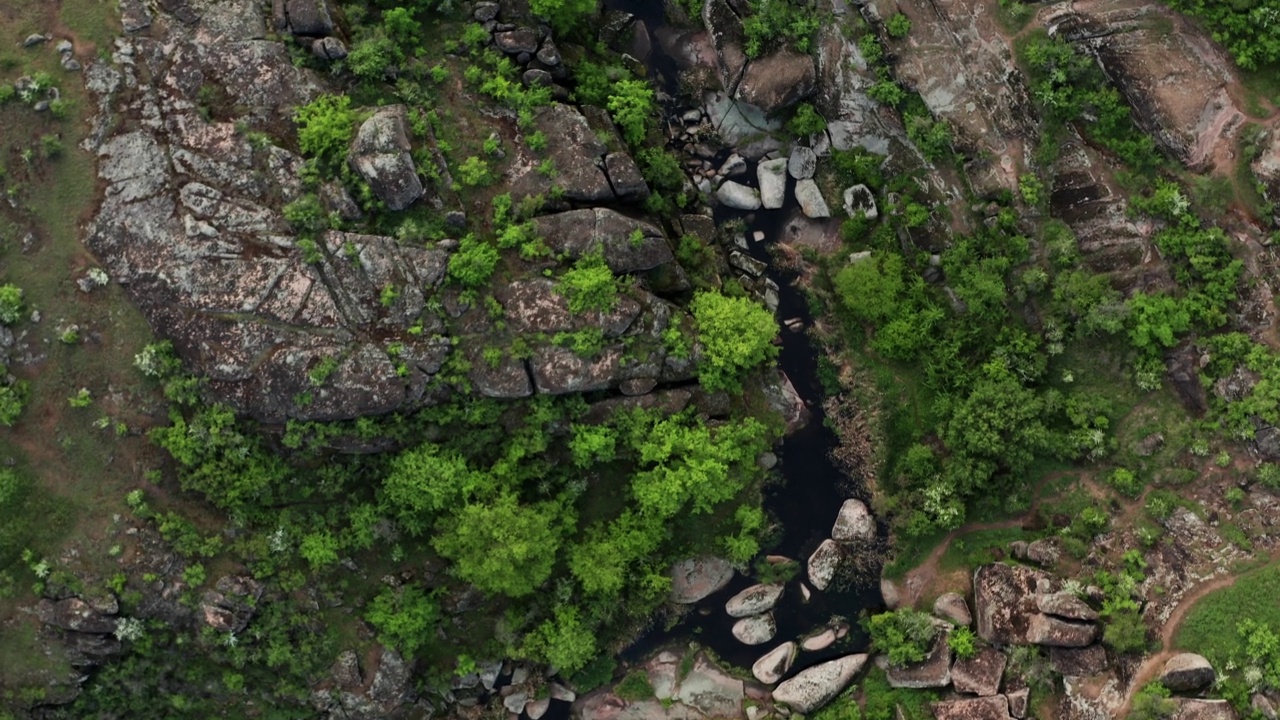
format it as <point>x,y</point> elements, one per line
<point>1004,601</point>
<point>983,708</point>
<point>1078,662</point>
<point>1048,630</point>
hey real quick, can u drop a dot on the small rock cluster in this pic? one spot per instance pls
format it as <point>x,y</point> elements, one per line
<point>853,525</point>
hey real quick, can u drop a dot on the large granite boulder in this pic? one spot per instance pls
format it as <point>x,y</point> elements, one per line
<point>575,150</point>
<point>696,578</point>
<point>777,81</point>
<point>771,666</point>
<point>628,245</point>
<point>979,674</point>
<point>814,687</point>
<point>753,601</point>
<point>711,691</point>
<point>1196,709</point>
<point>932,672</point>
<point>1065,605</point>
<point>951,606</point>
<point>772,176</point>
<point>1078,662</point>
<point>755,630</point>
<point>854,523</point>
<point>823,564</point>
<point>1187,672</point>
<point>737,196</point>
<point>309,18</point>
<point>75,615</point>
<point>1055,632</point>
<point>1004,602</point>
<point>380,154</point>
<point>994,707</point>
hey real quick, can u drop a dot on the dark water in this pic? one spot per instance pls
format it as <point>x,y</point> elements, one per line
<point>808,499</point>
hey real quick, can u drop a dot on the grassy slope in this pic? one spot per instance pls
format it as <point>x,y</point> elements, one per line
<point>1210,626</point>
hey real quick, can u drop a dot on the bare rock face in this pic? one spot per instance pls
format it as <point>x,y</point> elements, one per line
<point>1078,662</point>
<point>1176,81</point>
<point>951,606</point>
<point>380,154</point>
<point>1018,701</point>
<point>777,81</point>
<point>753,601</point>
<point>854,523</point>
<point>755,630</point>
<point>1054,632</point>
<point>823,564</point>
<point>932,672</point>
<point>1195,709</point>
<point>1004,602</point>
<point>304,17</point>
<point>1187,672</point>
<point>75,615</point>
<point>1266,168</point>
<point>628,245</point>
<point>814,687</point>
<point>770,668</point>
<point>696,578</point>
<point>711,691</point>
<point>1065,605</point>
<point>578,155</point>
<point>995,707</point>
<point>979,674</point>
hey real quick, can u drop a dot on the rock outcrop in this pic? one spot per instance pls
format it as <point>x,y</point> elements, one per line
<point>380,154</point>
<point>1187,672</point>
<point>951,606</point>
<point>932,672</point>
<point>814,687</point>
<point>1004,602</point>
<point>980,674</point>
<point>696,578</point>
<point>995,707</point>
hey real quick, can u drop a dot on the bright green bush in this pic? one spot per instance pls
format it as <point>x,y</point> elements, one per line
<point>589,286</point>
<point>404,618</point>
<point>898,26</point>
<point>10,304</point>
<point>473,263</point>
<point>806,121</point>
<point>872,289</point>
<point>736,334</point>
<point>631,103</point>
<point>905,636</point>
<point>325,128</point>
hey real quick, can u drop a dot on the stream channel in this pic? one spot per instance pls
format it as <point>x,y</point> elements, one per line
<point>812,489</point>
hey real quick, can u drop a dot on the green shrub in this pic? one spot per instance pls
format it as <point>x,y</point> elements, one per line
<point>631,103</point>
<point>806,121</point>
<point>589,286</point>
<point>325,128</point>
<point>373,56</point>
<point>1125,482</point>
<point>898,26</point>
<point>736,334</point>
<point>905,636</point>
<point>13,398</point>
<point>475,172</point>
<point>404,618</point>
<point>10,303</point>
<point>773,23</point>
<point>872,289</point>
<point>473,263</point>
<point>963,642</point>
<point>635,686</point>
<point>564,15</point>
<point>1152,703</point>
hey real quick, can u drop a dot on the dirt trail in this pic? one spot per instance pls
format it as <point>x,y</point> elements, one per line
<point>923,575</point>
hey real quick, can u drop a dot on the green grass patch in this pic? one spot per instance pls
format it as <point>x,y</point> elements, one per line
<point>1210,628</point>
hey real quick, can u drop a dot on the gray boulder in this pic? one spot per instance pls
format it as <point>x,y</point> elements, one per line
<point>738,196</point>
<point>854,523</point>
<point>823,564</point>
<point>1065,605</point>
<point>1078,662</point>
<point>777,81</point>
<point>951,606</point>
<point>308,17</point>
<point>753,601</point>
<point>1004,602</point>
<point>810,198</point>
<point>860,199</point>
<point>802,163</point>
<point>1052,631</point>
<point>514,42</point>
<point>1187,672</point>
<point>755,630</point>
<point>814,687</point>
<point>770,668</point>
<point>329,48</point>
<point>380,154</point>
<point>1196,709</point>
<point>1018,701</point>
<point>628,184</point>
<point>772,175</point>
<point>932,672</point>
<point>696,578</point>
<point>979,674</point>
<point>628,245</point>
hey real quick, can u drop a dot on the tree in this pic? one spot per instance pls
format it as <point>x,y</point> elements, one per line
<point>501,546</point>
<point>999,423</point>
<point>427,480</point>
<point>871,289</point>
<point>404,618</point>
<point>1156,320</point>
<point>736,335</point>
<point>564,641</point>
<point>325,128</point>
